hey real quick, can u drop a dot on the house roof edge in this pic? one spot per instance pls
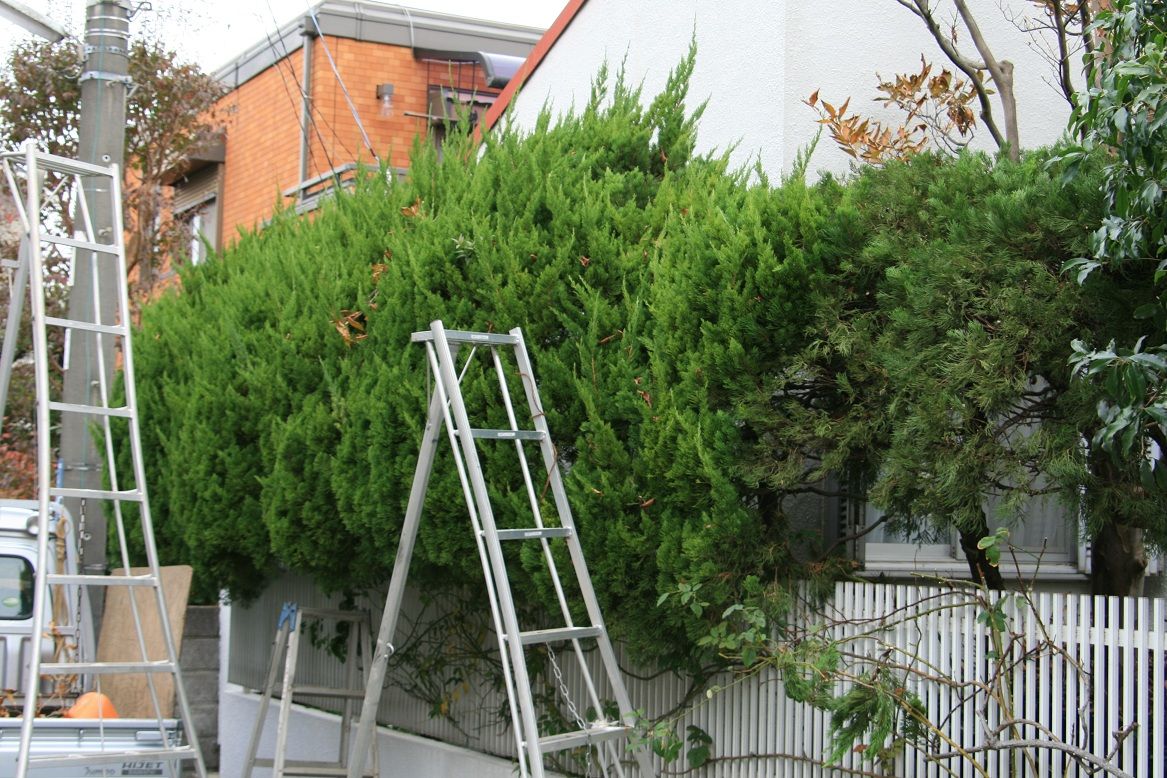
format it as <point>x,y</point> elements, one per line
<point>379,23</point>
<point>534,59</point>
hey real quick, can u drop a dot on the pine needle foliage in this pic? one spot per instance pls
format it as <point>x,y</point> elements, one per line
<point>934,383</point>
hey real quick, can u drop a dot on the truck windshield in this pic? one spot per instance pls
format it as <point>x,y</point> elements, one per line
<point>15,588</point>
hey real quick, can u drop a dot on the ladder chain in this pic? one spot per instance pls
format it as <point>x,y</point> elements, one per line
<point>565,693</point>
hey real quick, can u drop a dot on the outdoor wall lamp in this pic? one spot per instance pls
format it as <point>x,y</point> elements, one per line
<point>385,97</point>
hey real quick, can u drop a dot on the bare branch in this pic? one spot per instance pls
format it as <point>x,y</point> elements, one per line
<point>1002,74</point>
<point>924,11</point>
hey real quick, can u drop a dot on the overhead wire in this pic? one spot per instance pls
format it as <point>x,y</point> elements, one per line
<point>303,94</point>
<point>343,88</point>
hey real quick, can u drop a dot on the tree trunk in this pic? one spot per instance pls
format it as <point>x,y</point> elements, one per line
<point>1118,560</point>
<point>978,563</point>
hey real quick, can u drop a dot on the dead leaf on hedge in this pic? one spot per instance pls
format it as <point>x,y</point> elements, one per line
<point>351,326</point>
<point>412,210</point>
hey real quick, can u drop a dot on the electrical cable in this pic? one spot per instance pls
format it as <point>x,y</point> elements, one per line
<point>344,89</point>
<point>301,90</point>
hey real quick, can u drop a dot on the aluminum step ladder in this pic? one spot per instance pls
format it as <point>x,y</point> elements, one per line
<point>597,739</point>
<point>286,650</point>
<point>37,182</point>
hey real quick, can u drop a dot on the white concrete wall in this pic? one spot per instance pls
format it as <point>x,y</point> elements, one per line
<point>757,61</point>
<point>314,736</point>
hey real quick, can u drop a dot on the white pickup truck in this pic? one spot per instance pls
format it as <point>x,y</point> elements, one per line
<point>71,639</point>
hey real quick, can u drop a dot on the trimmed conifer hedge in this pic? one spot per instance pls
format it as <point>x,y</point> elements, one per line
<point>660,294</point>
<point>283,401</point>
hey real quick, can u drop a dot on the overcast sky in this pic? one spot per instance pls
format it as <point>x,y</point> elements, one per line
<point>212,32</point>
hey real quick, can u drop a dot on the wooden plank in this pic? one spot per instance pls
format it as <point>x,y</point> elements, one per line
<point>118,642</point>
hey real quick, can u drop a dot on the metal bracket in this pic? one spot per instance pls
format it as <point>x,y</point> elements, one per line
<point>118,50</point>
<point>101,75</point>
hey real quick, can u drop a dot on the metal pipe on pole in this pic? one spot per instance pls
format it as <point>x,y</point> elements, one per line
<point>31,20</point>
<point>104,78</point>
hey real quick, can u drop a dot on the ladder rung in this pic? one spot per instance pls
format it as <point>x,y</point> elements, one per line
<point>328,691</point>
<point>132,495</point>
<point>102,580</point>
<point>106,668</point>
<point>581,737</point>
<point>59,164</point>
<point>555,635</point>
<point>313,768</point>
<point>325,613</point>
<point>92,410</point>
<point>112,757</point>
<point>534,533</point>
<point>507,434</point>
<point>462,336</point>
<point>73,324</point>
<point>308,768</point>
<point>12,264</point>
<point>85,245</point>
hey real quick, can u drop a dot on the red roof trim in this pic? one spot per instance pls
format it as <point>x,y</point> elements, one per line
<point>566,16</point>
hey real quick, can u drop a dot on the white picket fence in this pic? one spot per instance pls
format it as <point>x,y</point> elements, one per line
<point>1084,672</point>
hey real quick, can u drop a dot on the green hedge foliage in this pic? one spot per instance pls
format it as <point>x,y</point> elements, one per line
<point>660,294</point>
<point>650,283</point>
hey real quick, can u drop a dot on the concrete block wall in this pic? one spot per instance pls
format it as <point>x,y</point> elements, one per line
<point>200,673</point>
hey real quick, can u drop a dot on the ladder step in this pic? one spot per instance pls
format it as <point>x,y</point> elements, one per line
<point>85,245</point>
<point>326,613</point>
<point>534,533</point>
<point>308,768</point>
<point>538,636</point>
<point>582,737</point>
<point>60,164</point>
<point>92,410</point>
<point>11,264</point>
<point>106,668</point>
<point>112,757</point>
<point>102,580</point>
<point>133,495</point>
<point>87,326</point>
<point>327,691</point>
<point>507,434</point>
<point>462,336</point>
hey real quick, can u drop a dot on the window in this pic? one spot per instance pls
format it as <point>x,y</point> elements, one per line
<point>1044,536</point>
<point>199,227</point>
<point>196,214</point>
<point>15,588</point>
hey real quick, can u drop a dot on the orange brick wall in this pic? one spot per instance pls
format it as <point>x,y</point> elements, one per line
<point>263,120</point>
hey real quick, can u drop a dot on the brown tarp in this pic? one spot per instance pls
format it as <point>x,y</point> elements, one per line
<point>130,694</point>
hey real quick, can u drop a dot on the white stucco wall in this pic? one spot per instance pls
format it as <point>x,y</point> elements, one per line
<point>313,736</point>
<point>757,61</point>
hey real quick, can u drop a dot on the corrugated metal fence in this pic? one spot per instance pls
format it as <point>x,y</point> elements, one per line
<point>1088,672</point>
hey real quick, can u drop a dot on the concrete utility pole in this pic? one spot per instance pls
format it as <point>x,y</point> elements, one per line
<point>102,134</point>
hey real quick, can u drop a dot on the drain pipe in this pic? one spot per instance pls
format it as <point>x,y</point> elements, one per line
<point>308,32</point>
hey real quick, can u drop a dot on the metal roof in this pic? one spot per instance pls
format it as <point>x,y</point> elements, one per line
<point>380,23</point>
